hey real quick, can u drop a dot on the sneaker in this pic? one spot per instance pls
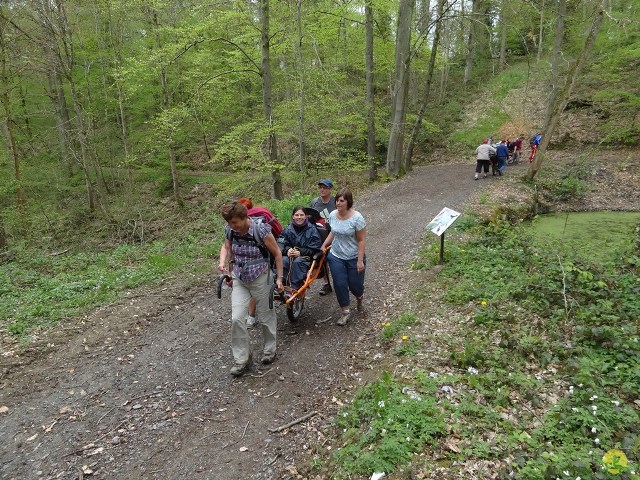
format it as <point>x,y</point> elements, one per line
<point>268,358</point>
<point>485,175</point>
<point>342,321</point>
<point>251,321</point>
<point>475,178</point>
<point>326,289</point>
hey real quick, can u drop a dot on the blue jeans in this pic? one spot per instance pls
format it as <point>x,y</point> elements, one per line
<point>346,278</point>
<point>502,163</point>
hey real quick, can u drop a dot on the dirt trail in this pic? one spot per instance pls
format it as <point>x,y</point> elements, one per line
<point>142,389</point>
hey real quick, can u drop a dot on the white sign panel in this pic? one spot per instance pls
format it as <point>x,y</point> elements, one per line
<point>443,221</point>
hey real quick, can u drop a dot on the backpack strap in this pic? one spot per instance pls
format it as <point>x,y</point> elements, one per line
<point>255,241</point>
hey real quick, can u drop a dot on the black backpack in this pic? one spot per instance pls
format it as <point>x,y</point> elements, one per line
<point>254,240</point>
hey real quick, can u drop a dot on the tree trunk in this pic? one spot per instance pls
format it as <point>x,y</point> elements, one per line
<point>9,125</point>
<point>555,60</point>
<point>541,31</point>
<point>423,8</point>
<point>301,90</point>
<point>371,112</point>
<point>395,162</point>
<point>471,39</point>
<point>563,98</point>
<point>427,88</point>
<point>56,27</point>
<point>276,181</point>
<point>55,67</point>
<point>3,235</point>
<point>503,34</point>
<point>166,104</point>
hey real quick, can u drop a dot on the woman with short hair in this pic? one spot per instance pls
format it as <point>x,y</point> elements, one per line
<point>246,240</point>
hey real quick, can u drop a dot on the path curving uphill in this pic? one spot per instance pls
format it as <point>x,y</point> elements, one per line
<point>142,389</point>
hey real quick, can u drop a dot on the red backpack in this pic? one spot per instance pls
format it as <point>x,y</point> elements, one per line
<point>267,217</point>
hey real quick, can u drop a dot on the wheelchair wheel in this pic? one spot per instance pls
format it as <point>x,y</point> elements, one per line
<point>294,309</point>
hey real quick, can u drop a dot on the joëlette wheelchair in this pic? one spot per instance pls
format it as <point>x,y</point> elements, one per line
<point>294,298</point>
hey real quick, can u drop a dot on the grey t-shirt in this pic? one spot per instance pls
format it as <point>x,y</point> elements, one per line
<point>345,243</point>
<point>324,208</point>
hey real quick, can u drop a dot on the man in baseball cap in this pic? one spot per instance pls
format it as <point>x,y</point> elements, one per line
<point>325,204</point>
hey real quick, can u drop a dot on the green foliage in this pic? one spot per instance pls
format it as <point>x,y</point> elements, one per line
<point>38,290</point>
<point>577,322</point>
<point>399,325</point>
<point>569,187</point>
<point>486,126</point>
<point>387,423</point>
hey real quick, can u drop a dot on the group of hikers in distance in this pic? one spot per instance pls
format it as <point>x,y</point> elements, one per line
<point>504,153</point>
<point>256,246</point>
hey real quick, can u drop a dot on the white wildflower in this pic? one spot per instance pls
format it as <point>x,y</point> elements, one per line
<point>381,403</point>
<point>472,371</point>
<point>597,441</point>
<point>593,430</point>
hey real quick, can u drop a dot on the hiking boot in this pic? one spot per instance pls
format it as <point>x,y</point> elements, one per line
<point>251,321</point>
<point>326,289</point>
<point>342,321</point>
<point>240,369</point>
<point>268,358</point>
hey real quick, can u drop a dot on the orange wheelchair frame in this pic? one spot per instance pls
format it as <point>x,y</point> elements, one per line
<point>293,298</point>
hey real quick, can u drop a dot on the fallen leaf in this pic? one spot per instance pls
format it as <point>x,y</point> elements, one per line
<point>32,437</point>
<point>243,449</point>
<point>86,470</point>
<point>4,409</point>
<point>453,446</point>
<point>64,410</point>
<point>95,452</point>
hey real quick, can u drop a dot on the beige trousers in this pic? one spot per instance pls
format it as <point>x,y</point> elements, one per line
<point>240,295</point>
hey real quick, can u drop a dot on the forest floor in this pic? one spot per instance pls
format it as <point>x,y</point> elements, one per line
<point>141,388</point>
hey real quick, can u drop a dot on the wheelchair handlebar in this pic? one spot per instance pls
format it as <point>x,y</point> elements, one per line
<point>224,277</point>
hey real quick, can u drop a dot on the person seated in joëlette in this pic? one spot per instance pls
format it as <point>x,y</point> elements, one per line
<point>300,242</point>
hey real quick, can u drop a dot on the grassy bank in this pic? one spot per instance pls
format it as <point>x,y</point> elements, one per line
<point>542,377</point>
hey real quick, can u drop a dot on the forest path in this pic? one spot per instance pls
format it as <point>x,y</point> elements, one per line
<point>141,389</point>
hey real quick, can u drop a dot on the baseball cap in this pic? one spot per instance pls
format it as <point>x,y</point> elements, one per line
<point>326,182</point>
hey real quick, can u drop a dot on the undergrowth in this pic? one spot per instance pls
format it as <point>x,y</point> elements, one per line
<point>542,383</point>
